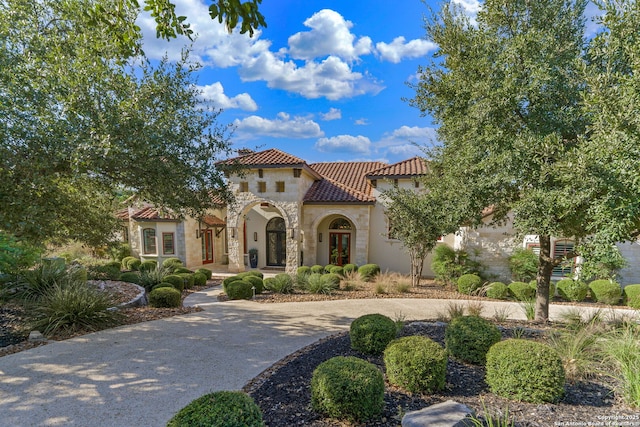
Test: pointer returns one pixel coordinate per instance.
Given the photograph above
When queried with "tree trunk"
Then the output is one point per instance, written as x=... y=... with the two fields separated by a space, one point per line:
x=417 y=263
x=545 y=269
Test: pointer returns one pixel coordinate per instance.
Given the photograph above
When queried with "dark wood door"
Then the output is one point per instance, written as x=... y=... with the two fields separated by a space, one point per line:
x=206 y=237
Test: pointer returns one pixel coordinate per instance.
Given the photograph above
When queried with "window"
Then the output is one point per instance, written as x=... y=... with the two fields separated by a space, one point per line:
x=168 y=247
x=262 y=187
x=244 y=187
x=260 y=173
x=149 y=241
x=297 y=172
x=279 y=186
x=340 y=224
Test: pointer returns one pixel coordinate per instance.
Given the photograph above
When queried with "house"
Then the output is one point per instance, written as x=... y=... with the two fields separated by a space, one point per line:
x=295 y=213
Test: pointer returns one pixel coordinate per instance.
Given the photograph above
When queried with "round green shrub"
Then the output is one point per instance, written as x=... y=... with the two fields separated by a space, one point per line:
x=125 y=262
x=524 y=264
x=130 y=277
x=219 y=409
x=369 y=271
x=228 y=280
x=337 y=270
x=416 y=363
x=317 y=283
x=333 y=279
x=163 y=285
x=349 y=268
x=522 y=291
x=347 y=388
x=468 y=338
x=199 y=279
x=606 y=291
x=134 y=264
x=497 y=290
x=207 y=273
x=317 y=269
x=240 y=289
x=328 y=267
x=251 y=273
x=165 y=297
x=107 y=271
x=469 y=283
x=632 y=296
x=256 y=282
x=148 y=265
x=189 y=281
x=552 y=287
x=303 y=271
x=371 y=333
x=524 y=370
x=282 y=284
x=172 y=263
x=572 y=290
x=182 y=270
x=175 y=280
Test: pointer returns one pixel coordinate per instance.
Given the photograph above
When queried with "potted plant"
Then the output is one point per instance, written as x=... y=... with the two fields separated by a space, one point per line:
x=253 y=257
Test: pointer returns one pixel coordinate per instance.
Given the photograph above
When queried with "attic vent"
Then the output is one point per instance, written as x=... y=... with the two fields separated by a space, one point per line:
x=260 y=173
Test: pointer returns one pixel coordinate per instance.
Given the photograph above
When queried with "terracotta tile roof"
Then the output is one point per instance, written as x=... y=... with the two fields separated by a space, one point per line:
x=213 y=221
x=123 y=214
x=405 y=168
x=343 y=182
x=145 y=213
x=268 y=158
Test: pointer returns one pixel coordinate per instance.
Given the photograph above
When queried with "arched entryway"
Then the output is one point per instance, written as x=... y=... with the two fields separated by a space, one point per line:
x=276 y=233
x=340 y=241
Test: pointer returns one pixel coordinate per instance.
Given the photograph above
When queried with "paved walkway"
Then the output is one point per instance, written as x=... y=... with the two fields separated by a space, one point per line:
x=140 y=375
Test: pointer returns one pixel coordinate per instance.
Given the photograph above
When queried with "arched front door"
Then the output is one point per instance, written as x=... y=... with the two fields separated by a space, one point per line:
x=276 y=242
x=340 y=241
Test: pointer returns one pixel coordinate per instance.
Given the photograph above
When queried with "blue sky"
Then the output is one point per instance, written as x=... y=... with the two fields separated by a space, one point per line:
x=324 y=81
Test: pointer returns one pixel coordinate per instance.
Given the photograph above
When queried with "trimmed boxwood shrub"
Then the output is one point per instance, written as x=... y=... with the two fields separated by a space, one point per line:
x=108 y=271
x=207 y=273
x=369 y=271
x=165 y=297
x=188 y=279
x=371 y=333
x=333 y=279
x=228 y=280
x=163 y=285
x=219 y=409
x=572 y=290
x=172 y=263
x=281 y=284
x=328 y=267
x=255 y=281
x=632 y=296
x=317 y=269
x=182 y=270
x=251 y=273
x=125 y=262
x=199 y=279
x=349 y=268
x=337 y=270
x=497 y=290
x=468 y=338
x=347 y=388
x=522 y=291
x=240 y=289
x=416 y=363
x=130 y=277
x=134 y=264
x=552 y=287
x=148 y=265
x=175 y=280
x=303 y=271
x=606 y=291
x=469 y=283
x=524 y=370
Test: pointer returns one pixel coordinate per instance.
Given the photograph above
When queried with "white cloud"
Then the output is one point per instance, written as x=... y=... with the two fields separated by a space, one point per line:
x=281 y=127
x=344 y=143
x=332 y=114
x=330 y=35
x=471 y=7
x=397 y=50
x=215 y=93
x=408 y=141
x=361 y=122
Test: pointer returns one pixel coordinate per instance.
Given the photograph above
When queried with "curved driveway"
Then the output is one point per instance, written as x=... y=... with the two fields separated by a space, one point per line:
x=140 y=375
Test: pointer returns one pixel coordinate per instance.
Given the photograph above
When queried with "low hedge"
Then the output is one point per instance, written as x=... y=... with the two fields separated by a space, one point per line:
x=632 y=296
x=522 y=291
x=524 y=370
x=172 y=263
x=130 y=277
x=256 y=282
x=134 y=264
x=572 y=290
x=162 y=285
x=240 y=289
x=552 y=287
x=165 y=297
x=189 y=281
x=124 y=263
x=148 y=265
x=347 y=388
x=469 y=283
x=206 y=272
x=175 y=280
x=497 y=290
x=199 y=279
x=371 y=333
x=416 y=363
x=369 y=271
x=251 y=273
x=219 y=409
x=469 y=338
x=606 y=291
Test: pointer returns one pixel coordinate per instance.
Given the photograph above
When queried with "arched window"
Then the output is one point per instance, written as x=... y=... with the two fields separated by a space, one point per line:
x=149 y=241
x=276 y=224
x=340 y=224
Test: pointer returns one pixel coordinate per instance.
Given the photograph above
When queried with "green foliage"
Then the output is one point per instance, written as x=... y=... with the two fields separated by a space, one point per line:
x=303 y=270
x=208 y=273
x=448 y=264
x=368 y=272
x=16 y=255
x=130 y=277
x=468 y=338
x=33 y=284
x=578 y=350
x=162 y=285
x=317 y=269
x=572 y=290
x=239 y=289
x=165 y=297
x=416 y=363
x=522 y=291
x=118 y=251
x=631 y=296
x=320 y=284
x=622 y=350
x=73 y=306
x=228 y=280
x=337 y=270
x=199 y=278
x=469 y=283
x=187 y=278
x=497 y=290
x=600 y=261
x=371 y=333
x=281 y=284
x=134 y=264
x=125 y=262
x=148 y=265
x=251 y=273
x=347 y=388
x=328 y=267
x=256 y=282
x=108 y=271
x=182 y=270
x=333 y=279
x=349 y=268
x=552 y=287
x=524 y=370
x=219 y=409
x=606 y=291
x=523 y=265
x=175 y=280
x=171 y=264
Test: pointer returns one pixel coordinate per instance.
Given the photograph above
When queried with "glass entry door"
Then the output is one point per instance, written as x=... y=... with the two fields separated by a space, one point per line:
x=276 y=243
x=339 y=248
x=207 y=246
